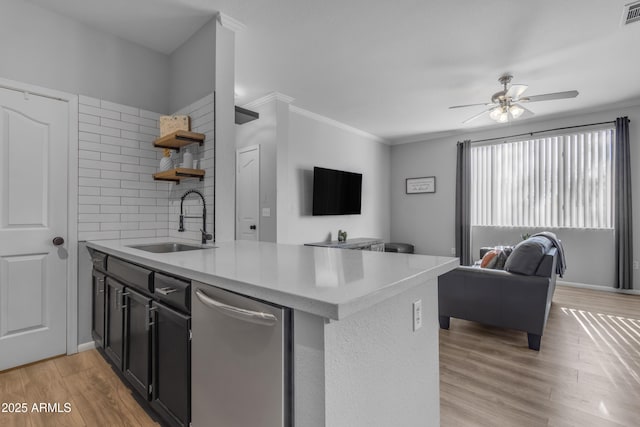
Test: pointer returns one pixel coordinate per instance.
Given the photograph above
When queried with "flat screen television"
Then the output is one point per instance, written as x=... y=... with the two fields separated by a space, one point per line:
x=336 y=192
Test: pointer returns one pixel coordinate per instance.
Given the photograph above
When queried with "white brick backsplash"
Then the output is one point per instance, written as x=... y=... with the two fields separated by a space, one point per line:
x=96 y=146
x=118 y=107
x=119 y=209
x=138 y=185
x=86 y=100
x=150 y=115
x=99 y=217
x=105 y=139
x=88 y=191
x=89 y=226
x=86 y=118
x=100 y=130
x=90 y=137
x=118 y=197
x=118 y=158
x=92 y=155
x=86 y=209
x=98 y=235
x=99 y=112
x=118 y=192
x=137 y=217
x=131 y=234
x=129 y=176
x=118 y=124
x=108 y=226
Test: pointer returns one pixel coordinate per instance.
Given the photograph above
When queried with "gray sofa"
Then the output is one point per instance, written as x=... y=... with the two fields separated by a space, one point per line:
x=500 y=298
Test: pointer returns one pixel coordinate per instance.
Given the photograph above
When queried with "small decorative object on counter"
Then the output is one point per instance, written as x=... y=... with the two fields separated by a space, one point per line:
x=166 y=163
x=342 y=236
x=170 y=124
x=187 y=160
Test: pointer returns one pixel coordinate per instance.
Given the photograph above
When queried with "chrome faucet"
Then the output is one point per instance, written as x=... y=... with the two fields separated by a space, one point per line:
x=205 y=236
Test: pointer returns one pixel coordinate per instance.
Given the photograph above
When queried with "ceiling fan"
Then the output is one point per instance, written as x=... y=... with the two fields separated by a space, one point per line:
x=505 y=104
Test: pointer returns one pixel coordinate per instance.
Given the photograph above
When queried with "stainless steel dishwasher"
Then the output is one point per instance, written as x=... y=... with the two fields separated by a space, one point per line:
x=240 y=360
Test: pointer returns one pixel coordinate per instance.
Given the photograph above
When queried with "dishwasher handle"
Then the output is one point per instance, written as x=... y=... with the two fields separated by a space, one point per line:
x=256 y=317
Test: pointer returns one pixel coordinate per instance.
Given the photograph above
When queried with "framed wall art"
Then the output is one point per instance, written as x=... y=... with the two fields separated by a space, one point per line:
x=425 y=184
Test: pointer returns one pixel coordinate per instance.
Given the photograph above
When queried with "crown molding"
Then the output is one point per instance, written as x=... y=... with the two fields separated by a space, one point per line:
x=337 y=124
x=273 y=96
x=230 y=23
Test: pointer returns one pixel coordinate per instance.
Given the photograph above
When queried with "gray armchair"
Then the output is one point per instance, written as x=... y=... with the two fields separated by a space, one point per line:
x=500 y=298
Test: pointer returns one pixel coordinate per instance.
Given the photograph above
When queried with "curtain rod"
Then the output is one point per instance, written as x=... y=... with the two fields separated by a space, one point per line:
x=542 y=131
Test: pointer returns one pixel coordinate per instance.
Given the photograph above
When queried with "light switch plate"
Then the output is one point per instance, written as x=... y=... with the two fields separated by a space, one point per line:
x=417 y=315
x=266 y=211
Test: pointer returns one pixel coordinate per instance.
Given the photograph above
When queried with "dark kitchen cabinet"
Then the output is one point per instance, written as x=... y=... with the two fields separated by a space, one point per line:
x=171 y=355
x=137 y=367
x=98 y=313
x=114 y=331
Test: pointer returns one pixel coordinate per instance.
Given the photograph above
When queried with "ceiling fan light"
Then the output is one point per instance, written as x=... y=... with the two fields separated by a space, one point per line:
x=503 y=118
x=516 y=111
x=495 y=113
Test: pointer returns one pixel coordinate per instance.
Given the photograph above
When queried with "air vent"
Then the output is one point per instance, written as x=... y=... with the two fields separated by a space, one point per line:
x=631 y=13
x=243 y=115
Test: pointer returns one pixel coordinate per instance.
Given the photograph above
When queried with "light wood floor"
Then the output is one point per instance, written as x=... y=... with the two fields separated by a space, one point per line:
x=586 y=374
x=85 y=380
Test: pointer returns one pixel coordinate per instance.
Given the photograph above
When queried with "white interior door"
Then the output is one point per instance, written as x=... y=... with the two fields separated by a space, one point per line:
x=33 y=211
x=247 y=192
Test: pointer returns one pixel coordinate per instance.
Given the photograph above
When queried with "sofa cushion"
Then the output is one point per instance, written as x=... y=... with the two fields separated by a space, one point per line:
x=526 y=256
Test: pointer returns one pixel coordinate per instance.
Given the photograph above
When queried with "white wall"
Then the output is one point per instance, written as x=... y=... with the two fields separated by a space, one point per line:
x=427 y=220
x=49 y=50
x=313 y=141
x=192 y=68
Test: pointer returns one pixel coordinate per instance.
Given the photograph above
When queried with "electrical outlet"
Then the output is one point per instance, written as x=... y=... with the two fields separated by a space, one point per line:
x=635 y=264
x=417 y=315
x=453 y=251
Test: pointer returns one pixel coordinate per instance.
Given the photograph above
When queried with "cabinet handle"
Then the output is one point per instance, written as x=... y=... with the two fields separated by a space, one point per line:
x=166 y=291
x=148 y=323
x=257 y=317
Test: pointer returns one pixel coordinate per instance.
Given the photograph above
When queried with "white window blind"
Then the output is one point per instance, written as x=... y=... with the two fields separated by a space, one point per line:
x=554 y=181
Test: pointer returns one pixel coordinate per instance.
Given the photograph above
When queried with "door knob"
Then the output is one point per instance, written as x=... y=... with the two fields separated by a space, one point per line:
x=57 y=241
x=252 y=227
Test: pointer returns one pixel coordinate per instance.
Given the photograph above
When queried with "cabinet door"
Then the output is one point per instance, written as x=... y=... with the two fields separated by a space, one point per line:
x=114 y=331
x=97 y=321
x=171 y=365
x=137 y=367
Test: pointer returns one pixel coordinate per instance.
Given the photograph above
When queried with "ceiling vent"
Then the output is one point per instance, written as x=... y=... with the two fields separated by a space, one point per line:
x=631 y=13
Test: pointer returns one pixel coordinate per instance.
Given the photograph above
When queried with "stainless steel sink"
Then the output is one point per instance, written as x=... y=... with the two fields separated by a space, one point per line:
x=163 y=248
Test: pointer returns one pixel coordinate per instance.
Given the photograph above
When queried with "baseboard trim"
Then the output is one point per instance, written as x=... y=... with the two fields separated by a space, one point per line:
x=86 y=346
x=598 y=288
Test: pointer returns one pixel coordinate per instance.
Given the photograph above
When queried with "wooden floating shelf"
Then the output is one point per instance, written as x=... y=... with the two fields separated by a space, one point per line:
x=179 y=139
x=178 y=174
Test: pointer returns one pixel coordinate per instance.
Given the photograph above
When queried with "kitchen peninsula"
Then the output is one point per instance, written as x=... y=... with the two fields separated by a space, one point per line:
x=357 y=356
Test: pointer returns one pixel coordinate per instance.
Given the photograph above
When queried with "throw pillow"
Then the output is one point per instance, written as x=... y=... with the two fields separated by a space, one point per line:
x=526 y=256
x=489 y=259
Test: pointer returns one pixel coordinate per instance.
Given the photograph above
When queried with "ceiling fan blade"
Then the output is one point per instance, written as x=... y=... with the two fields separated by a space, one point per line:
x=470 y=105
x=550 y=96
x=516 y=90
x=477 y=115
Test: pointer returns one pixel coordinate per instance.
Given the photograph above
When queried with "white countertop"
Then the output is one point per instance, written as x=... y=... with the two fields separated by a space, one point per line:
x=327 y=282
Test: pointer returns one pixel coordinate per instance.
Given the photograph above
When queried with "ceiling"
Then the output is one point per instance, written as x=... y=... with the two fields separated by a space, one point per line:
x=393 y=69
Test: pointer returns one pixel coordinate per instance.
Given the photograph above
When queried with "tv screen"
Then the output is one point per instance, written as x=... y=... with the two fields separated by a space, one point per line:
x=336 y=192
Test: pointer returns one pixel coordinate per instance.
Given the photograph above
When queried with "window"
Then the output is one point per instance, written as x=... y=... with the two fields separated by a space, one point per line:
x=555 y=181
